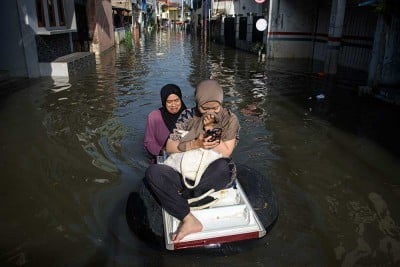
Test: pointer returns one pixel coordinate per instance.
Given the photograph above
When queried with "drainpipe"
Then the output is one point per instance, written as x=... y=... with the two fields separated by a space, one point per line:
x=335 y=35
x=273 y=24
x=316 y=16
x=375 y=65
x=391 y=60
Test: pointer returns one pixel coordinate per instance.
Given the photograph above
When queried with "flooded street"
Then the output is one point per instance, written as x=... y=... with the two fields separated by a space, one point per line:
x=72 y=151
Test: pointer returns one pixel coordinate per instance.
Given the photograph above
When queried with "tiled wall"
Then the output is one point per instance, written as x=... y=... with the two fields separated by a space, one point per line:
x=51 y=47
x=85 y=60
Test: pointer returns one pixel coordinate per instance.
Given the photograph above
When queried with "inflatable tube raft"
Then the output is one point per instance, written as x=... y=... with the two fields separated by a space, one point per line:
x=144 y=214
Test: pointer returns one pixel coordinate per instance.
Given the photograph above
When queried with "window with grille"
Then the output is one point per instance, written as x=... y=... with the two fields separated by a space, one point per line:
x=50 y=13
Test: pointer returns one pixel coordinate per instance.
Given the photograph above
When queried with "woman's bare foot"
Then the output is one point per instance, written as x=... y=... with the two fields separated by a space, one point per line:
x=189 y=225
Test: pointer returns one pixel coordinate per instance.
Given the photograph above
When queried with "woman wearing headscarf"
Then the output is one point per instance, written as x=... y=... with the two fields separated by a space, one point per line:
x=161 y=122
x=166 y=183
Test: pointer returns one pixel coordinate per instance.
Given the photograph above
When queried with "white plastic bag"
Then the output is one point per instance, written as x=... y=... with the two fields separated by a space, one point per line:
x=192 y=164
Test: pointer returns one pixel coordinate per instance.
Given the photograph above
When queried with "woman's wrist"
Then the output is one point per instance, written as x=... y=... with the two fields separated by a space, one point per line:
x=194 y=144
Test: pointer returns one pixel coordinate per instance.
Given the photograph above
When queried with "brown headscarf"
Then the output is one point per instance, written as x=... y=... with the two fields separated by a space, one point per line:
x=211 y=91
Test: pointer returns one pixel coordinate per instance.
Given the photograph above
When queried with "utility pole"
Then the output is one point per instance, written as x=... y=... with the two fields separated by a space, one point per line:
x=335 y=35
x=182 y=7
x=206 y=11
x=210 y=8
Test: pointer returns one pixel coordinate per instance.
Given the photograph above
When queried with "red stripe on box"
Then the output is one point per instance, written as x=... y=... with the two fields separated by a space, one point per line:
x=215 y=240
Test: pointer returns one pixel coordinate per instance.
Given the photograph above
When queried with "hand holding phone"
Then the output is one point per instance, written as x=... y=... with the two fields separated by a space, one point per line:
x=215 y=134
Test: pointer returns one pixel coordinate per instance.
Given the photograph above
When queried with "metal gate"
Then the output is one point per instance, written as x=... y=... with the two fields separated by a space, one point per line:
x=229 y=31
x=242 y=28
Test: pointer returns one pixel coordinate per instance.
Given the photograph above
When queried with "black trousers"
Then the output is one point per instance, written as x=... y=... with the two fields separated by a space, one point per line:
x=169 y=190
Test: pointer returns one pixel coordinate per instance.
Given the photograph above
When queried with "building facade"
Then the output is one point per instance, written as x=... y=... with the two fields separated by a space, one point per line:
x=39 y=32
x=34 y=31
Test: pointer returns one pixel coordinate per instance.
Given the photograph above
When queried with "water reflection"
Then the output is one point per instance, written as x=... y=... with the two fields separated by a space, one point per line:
x=72 y=153
x=60 y=84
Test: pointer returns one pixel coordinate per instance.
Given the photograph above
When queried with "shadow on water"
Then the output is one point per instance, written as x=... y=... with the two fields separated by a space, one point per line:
x=72 y=155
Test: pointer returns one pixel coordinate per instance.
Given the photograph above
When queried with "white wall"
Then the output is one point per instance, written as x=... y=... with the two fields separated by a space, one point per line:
x=290 y=28
x=12 y=56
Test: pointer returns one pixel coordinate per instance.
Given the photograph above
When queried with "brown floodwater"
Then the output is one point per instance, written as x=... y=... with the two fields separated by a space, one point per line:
x=71 y=152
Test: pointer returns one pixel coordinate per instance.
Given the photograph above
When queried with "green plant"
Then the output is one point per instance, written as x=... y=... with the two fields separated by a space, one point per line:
x=258 y=46
x=152 y=21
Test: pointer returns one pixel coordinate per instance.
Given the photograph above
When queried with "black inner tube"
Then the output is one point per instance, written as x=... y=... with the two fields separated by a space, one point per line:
x=144 y=216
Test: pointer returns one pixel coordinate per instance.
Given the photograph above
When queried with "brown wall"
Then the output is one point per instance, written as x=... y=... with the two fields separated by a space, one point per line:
x=100 y=25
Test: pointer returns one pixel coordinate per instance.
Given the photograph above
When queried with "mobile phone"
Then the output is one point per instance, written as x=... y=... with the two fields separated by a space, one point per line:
x=214 y=133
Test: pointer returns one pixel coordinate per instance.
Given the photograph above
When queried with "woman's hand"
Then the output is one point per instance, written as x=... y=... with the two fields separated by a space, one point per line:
x=204 y=142
x=208 y=121
x=223 y=147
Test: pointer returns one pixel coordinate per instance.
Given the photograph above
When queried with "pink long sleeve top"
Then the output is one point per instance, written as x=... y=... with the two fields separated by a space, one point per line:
x=156 y=133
